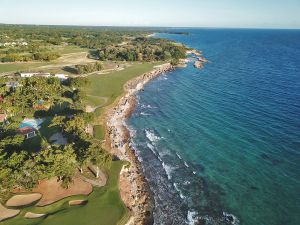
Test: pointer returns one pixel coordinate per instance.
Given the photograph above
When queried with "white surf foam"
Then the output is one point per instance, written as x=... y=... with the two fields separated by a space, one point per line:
x=191 y=217
x=168 y=169
x=178 y=155
x=145 y=114
x=178 y=190
x=151 y=136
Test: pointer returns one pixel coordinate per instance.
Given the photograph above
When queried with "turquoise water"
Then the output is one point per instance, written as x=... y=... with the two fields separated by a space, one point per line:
x=225 y=138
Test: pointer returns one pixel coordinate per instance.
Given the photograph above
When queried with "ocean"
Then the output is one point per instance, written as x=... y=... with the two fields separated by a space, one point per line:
x=223 y=143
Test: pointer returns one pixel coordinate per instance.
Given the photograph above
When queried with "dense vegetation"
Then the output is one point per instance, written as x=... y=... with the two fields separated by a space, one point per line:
x=104 y=43
x=88 y=68
x=20 y=165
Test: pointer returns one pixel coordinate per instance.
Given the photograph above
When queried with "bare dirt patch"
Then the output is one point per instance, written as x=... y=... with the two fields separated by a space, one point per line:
x=23 y=199
x=52 y=190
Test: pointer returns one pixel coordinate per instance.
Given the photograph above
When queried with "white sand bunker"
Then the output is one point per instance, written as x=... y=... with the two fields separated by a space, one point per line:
x=7 y=213
x=77 y=202
x=58 y=139
x=23 y=199
x=31 y=215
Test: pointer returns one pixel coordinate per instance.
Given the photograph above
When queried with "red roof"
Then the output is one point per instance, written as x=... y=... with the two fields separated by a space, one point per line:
x=25 y=130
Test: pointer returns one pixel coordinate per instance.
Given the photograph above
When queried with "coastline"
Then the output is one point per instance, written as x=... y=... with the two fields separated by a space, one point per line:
x=134 y=189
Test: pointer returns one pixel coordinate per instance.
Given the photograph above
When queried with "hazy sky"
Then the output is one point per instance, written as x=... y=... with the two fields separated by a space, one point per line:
x=195 y=13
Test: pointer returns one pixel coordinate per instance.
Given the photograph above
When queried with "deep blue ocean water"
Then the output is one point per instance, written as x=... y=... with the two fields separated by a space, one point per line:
x=225 y=138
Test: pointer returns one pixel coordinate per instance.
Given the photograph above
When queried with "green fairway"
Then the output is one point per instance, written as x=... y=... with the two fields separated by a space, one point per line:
x=110 y=86
x=104 y=207
x=14 y=67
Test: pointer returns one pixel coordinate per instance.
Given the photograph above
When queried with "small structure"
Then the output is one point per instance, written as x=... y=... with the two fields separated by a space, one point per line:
x=28 y=132
x=30 y=127
x=23 y=75
x=62 y=77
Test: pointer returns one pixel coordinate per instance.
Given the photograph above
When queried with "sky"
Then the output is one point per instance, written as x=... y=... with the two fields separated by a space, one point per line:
x=170 y=13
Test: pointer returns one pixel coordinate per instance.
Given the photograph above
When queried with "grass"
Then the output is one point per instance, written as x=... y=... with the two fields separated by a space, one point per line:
x=104 y=207
x=110 y=86
x=14 y=67
x=99 y=132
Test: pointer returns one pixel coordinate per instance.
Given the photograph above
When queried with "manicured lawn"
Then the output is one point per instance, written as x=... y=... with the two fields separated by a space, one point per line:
x=110 y=86
x=104 y=207
x=99 y=132
x=14 y=67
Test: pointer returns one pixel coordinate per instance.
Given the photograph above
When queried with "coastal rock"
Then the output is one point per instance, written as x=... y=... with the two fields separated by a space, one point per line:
x=134 y=189
x=198 y=65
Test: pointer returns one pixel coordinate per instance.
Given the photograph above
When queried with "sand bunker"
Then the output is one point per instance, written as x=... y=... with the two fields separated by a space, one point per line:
x=77 y=202
x=52 y=190
x=7 y=213
x=31 y=215
x=23 y=199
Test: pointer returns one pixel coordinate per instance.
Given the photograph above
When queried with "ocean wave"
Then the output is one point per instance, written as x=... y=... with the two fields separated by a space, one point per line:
x=145 y=114
x=191 y=217
x=151 y=136
x=168 y=169
x=144 y=106
x=179 y=191
x=185 y=163
x=151 y=147
x=178 y=155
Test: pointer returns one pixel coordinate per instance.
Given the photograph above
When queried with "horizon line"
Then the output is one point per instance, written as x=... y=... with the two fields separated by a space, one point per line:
x=155 y=26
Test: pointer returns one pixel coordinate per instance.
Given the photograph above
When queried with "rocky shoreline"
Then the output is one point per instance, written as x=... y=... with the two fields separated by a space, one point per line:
x=134 y=188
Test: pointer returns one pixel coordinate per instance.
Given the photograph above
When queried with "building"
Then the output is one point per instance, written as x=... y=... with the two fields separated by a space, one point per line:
x=62 y=77
x=26 y=74
x=35 y=75
x=28 y=132
x=29 y=127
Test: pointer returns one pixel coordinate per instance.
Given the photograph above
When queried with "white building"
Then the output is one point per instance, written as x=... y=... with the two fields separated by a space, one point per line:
x=26 y=74
x=61 y=76
x=35 y=75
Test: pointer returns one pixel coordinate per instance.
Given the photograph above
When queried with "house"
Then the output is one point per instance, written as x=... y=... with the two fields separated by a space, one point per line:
x=28 y=132
x=29 y=127
x=26 y=74
x=62 y=77
x=42 y=75
x=35 y=75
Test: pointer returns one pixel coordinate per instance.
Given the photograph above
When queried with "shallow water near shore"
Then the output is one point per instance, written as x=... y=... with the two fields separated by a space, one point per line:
x=225 y=138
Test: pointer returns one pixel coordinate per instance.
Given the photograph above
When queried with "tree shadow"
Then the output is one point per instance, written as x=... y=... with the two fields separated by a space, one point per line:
x=70 y=69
